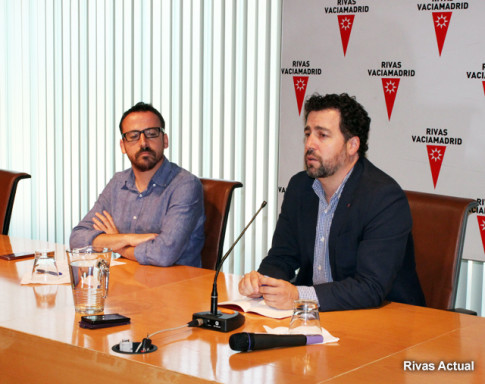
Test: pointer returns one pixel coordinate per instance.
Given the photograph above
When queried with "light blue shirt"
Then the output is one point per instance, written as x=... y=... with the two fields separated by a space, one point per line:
x=322 y=272
x=172 y=206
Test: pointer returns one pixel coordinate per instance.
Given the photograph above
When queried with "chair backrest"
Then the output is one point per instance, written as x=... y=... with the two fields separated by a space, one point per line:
x=217 y=202
x=8 y=187
x=439 y=224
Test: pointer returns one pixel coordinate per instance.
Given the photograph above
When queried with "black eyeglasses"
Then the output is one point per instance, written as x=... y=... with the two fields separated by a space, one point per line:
x=150 y=133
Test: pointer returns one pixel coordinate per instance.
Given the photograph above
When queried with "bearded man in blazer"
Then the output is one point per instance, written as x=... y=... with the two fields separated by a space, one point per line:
x=343 y=237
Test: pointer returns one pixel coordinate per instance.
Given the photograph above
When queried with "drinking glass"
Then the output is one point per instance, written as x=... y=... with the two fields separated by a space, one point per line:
x=44 y=269
x=305 y=319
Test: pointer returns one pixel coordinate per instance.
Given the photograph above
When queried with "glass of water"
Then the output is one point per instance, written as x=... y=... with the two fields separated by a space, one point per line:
x=44 y=269
x=305 y=319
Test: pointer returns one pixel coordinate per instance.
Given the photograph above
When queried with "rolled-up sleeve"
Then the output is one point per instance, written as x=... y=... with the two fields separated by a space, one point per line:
x=181 y=233
x=83 y=234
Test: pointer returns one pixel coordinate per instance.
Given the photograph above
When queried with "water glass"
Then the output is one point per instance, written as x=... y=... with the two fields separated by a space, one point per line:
x=305 y=319
x=44 y=269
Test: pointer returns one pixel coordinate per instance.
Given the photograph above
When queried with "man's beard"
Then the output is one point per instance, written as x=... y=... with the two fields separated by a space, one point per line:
x=146 y=163
x=324 y=170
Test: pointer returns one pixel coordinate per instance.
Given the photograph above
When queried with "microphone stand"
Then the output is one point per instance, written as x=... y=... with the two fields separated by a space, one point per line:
x=216 y=320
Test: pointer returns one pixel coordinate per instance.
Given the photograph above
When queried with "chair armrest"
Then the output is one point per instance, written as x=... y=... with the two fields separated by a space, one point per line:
x=464 y=311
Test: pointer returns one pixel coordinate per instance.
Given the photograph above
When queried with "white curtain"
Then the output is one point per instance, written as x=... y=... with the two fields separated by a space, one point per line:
x=68 y=70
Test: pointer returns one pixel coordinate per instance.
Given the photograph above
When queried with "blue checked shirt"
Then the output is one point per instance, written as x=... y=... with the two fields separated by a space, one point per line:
x=321 y=263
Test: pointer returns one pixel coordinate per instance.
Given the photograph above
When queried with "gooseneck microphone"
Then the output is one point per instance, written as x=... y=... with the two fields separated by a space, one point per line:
x=256 y=341
x=216 y=320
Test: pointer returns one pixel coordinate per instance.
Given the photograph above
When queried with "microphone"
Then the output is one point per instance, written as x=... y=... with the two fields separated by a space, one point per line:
x=256 y=341
x=216 y=320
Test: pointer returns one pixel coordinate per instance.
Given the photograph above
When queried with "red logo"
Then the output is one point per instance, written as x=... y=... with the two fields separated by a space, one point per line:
x=390 y=86
x=483 y=83
x=435 y=156
x=441 y=21
x=300 y=83
x=481 y=226
x=345 y=23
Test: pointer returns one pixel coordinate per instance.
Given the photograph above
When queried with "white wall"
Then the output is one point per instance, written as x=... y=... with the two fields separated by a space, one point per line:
x=359 y=47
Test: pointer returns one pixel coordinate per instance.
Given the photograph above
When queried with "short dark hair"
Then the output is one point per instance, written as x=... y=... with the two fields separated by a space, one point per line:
x=143 y=107
x=354 y=120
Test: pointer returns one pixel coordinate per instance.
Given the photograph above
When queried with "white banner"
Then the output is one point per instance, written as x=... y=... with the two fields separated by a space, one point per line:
x=417 y=67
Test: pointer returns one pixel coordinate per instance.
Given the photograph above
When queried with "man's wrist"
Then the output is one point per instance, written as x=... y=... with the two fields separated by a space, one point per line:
x=115 y=241
x=128 y=252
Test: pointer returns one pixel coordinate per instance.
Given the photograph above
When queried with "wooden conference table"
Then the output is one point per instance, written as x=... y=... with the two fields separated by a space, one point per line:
x=41 y=341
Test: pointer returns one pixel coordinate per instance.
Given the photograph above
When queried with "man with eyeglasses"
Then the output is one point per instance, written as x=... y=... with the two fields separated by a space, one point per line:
x=153 y=212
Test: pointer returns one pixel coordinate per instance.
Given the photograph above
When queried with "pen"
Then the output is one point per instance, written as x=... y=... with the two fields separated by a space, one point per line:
x=49 y=272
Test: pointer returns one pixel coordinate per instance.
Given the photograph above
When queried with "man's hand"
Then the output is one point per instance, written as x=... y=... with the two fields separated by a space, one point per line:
x=127 y=252
x=278 y=293
x=104 y=222
x=249 y=284
x=122 y=240
x=135 y=239
x=123 y=243
x=132 y=240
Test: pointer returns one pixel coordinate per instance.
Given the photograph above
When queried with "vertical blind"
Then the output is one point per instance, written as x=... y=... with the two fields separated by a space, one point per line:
x=70 y=68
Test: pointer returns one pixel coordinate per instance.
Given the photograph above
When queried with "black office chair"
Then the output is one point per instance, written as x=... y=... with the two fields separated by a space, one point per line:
x=8 y=188
x=439 y=224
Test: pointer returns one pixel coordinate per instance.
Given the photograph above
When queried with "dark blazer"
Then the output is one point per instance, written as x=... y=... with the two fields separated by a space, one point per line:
x=370 y=245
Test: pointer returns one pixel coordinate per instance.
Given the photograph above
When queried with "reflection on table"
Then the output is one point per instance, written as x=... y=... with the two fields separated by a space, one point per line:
x=39 y=329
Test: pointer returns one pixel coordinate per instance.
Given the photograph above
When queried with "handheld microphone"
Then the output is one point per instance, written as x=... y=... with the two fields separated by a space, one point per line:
x=216 y=320
x=245 y=341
